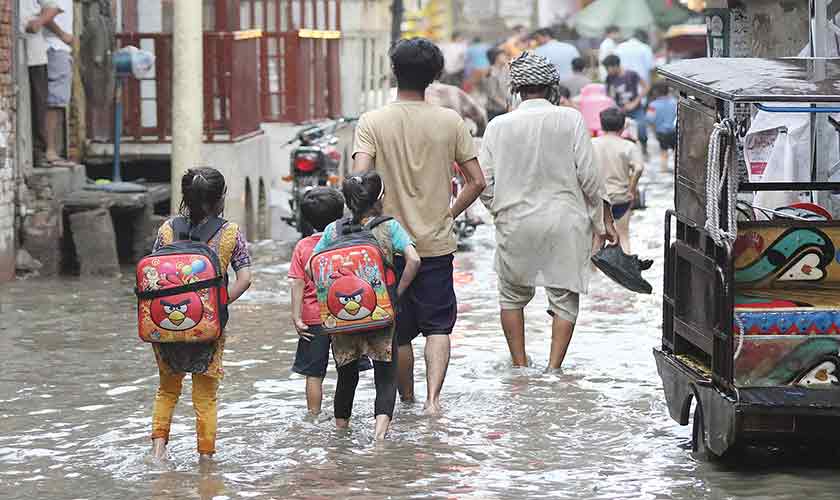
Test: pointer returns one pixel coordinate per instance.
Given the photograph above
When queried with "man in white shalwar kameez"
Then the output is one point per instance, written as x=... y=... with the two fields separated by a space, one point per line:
x=548 y=200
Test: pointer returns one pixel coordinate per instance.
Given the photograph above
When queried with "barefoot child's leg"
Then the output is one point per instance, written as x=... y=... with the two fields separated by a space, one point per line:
x=311 y=360
x=385 y=378
x=167 y=396
x=314 y=394
x=345 y=392
x=204 y=396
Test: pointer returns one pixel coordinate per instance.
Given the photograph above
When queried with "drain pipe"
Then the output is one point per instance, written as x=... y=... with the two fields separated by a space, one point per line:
x=187 y=91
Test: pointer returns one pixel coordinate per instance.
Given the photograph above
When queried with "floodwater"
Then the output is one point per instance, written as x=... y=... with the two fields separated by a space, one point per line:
x=77 y=389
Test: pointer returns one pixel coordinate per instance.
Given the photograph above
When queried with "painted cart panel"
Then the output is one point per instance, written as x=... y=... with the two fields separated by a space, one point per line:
x=787 y=313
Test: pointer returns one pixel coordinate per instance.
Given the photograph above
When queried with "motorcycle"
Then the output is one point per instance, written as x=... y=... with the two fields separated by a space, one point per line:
x=314 y=162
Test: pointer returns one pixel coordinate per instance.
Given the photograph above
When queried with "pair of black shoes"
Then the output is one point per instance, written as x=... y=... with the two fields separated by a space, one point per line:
x=626 y=270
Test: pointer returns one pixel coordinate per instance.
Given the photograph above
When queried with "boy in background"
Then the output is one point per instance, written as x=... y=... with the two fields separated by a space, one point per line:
x=497 y=84
x=628 y=89
x=320 y=207
x=662 y=112
x=621 y=164
x=578 y=79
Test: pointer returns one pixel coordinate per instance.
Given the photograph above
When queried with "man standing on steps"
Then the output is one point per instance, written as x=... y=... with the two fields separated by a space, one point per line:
x=59 y=36
x=413 y=144
x=35 y=17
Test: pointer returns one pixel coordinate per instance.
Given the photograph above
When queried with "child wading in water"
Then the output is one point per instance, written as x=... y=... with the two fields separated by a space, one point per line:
x=363 y=195
x=319 y=207
x=621 y=164
x=662 y=112
x=203 y=196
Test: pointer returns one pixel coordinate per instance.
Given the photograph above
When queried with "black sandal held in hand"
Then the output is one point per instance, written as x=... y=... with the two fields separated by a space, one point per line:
x=626 y=270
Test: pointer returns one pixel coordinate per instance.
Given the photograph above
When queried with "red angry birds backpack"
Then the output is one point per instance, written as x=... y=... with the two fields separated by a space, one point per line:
x=354 y=280
x=181 y=288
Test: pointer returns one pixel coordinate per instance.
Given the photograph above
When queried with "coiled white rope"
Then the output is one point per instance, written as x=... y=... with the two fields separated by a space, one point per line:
x=715 y=183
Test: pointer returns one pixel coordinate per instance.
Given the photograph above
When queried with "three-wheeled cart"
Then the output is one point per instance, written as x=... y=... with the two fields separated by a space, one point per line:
x=751 y=301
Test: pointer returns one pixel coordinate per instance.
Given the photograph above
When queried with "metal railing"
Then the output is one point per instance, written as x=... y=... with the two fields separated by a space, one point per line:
x=299 y=55
x=231 y=88
x=299 y=77
x=291 y=73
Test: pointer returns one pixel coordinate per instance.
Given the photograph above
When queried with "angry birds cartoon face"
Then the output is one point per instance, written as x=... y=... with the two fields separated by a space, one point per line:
x=177 y=312
x=351 y=298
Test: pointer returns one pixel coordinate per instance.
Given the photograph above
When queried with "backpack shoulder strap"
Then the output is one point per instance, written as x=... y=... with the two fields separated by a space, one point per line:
x=184 y=231
x=205 y=232
x=346 y=226
x=382 y=232
x=180 y=228
x=382 y=219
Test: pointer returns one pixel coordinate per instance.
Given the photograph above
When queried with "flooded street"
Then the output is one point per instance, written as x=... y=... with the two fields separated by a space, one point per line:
x=77 y=389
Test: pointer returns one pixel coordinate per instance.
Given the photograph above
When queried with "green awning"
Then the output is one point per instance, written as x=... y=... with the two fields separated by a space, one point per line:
x=629 y=15
x=666 y=16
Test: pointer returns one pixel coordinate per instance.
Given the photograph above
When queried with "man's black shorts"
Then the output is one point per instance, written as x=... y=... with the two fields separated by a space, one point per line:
x=667 y=140
x=429 y=306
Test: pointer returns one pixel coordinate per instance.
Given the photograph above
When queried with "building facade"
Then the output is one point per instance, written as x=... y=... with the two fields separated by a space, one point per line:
x=365 y=38
x=315 y=61
x=8 y=166
x=757 y=28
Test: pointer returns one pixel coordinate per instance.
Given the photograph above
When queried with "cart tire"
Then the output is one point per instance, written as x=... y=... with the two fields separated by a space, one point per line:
x=698 y=438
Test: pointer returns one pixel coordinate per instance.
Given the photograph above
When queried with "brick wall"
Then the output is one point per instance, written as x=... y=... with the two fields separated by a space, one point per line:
x=8 y=179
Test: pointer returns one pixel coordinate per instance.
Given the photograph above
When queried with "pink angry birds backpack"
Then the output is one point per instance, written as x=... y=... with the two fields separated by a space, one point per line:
x=181 y=288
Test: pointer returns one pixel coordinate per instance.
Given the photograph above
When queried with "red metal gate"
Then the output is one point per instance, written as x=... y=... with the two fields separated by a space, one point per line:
x=299 y=54
x=231 y=86
x=298 y=57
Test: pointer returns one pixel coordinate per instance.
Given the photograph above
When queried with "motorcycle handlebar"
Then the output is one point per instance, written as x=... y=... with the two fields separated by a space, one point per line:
x=330 y=127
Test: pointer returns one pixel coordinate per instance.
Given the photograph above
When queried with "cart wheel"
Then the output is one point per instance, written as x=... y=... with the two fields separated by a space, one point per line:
x=698 y=439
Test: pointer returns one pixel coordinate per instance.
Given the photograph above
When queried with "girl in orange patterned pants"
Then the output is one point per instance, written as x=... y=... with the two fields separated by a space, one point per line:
x=203 y=193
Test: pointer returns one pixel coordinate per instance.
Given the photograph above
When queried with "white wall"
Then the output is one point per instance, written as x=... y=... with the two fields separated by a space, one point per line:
x=245 y=160
x=365 y=70
x=149 y=16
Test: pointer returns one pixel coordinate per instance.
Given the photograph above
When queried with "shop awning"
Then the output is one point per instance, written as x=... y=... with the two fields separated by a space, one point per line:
x=629 y=15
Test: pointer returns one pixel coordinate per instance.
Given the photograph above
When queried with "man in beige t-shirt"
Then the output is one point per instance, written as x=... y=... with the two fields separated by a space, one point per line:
x=413 y=145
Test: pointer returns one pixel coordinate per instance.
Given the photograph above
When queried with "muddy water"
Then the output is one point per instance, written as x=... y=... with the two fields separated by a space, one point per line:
x=77 y=387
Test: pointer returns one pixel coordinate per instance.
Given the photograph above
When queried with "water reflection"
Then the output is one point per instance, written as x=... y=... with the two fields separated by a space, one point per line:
x=77 y=391
x=205 y=485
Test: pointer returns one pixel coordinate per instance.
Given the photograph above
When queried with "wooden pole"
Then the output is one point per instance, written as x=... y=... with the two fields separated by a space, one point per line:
x=397 y=11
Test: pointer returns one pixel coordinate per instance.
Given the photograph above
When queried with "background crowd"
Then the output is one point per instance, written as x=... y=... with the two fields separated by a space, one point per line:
x=618 y=73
